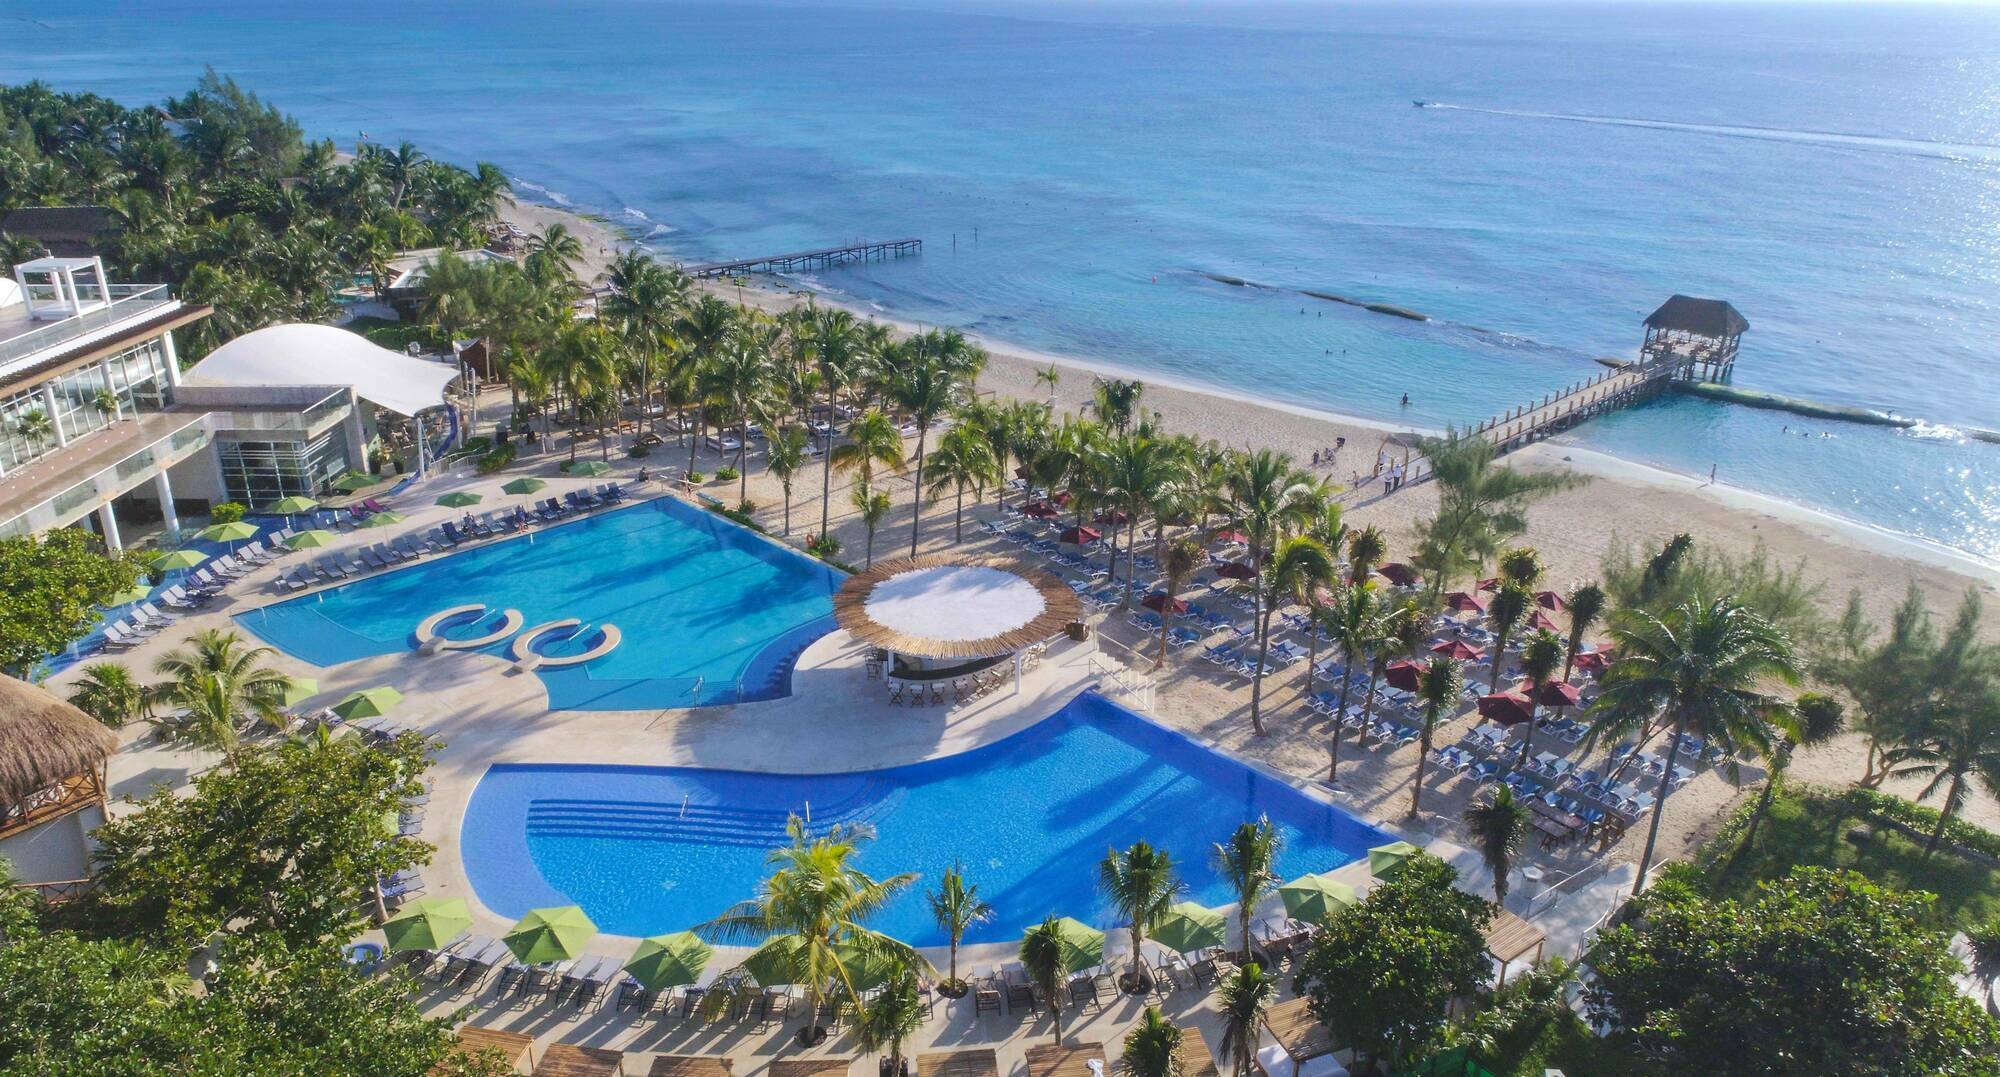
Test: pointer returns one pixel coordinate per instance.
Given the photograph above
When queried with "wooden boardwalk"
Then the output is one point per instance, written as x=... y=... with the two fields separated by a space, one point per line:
x=1558 y=411
x=825 y=256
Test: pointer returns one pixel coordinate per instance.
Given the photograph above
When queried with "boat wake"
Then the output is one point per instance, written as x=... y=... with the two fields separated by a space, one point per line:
x=1911 y=147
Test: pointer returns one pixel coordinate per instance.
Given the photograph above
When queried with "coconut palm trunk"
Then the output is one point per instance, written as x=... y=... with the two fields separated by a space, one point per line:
x=1659 y=807
x=1339 y=717
x=917 y=491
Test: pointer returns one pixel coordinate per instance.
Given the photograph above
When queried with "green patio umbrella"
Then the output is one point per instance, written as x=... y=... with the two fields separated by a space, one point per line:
x=1082 y=945
x=592 y=468
x=1188 y=927
x=383 y=519
x=368 y=703
x=1314 y=899
x=296 y=690
x=665 y=961
x=180 y=559
x=135 y=593
x=1384 y=861
x=229 y=532
x=523 y=486
x=352 y=481
x=306 y=540
x=775 y=962
x=293 y=505
x=546 y=935
x=458 y=499
x=427 y=924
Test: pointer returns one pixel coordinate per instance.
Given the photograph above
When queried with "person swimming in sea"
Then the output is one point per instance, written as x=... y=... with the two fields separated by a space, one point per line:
x=1406 y=400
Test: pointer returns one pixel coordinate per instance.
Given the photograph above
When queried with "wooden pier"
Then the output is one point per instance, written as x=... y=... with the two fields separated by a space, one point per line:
x=877 y=251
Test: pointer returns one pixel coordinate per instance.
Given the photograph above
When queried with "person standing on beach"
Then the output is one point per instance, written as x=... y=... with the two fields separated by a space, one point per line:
x=1711 y=474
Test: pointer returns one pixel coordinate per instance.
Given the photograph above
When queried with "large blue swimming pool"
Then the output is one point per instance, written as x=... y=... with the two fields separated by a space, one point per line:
x=647 y=850
x=709 y=612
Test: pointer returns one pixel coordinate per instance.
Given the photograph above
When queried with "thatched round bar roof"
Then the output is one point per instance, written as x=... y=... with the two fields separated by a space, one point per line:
x=44 y=739
x=1012 y=614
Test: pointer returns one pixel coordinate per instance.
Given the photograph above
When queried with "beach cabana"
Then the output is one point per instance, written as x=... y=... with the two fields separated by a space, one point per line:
x=1063 y=1060
x=517 y=1049
x=52 y=758
x=979 y=1062
x=1510 y=938
x=1701 y=334
x=940 y=617
x=576 y=1060
x=1296 y=1044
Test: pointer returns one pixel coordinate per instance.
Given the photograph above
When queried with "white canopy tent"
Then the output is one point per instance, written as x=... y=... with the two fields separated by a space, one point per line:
x=301 y=354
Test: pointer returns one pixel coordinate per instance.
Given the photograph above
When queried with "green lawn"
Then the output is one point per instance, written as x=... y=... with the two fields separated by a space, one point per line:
x=1568 y=1045
x=392 y=335
x=1808 y=825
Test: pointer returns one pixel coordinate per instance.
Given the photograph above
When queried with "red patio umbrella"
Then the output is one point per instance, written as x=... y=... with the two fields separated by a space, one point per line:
x=1490 y=584
x=1465 y=602
x=1162 y=602
x=1116 y=518
x=1235 y=570
x=1507 y=708
x=1403 y=673
x=1398 y=573
x=1458 y=649
x=1549 y=600
x=1021 y=472
x=1081 y=536
x=1041 y=510
x=1063 y=497
x=1558 y=694
x=1592 y=660
x=1541 y=620
x=1232 y=537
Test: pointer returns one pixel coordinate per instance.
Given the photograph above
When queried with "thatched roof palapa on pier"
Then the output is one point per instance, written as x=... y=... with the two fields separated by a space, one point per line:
x=1702 y=317
x=44 y=740
x=1058 y=607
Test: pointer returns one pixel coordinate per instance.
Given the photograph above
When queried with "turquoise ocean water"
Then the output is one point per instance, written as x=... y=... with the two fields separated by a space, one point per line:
x=1834 y=170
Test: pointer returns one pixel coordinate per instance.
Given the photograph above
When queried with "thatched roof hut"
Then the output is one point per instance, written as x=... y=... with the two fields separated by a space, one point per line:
x=45 y=742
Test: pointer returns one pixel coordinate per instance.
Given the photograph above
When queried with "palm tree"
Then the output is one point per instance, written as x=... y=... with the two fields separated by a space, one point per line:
x=1437 y=689
x=871 y=439
x=1131 y=469
x=1820 y=719
x=738 y=382
x=926 y=387
x=1480 y=504
x=1956 y=743
x=1585 y=606
x=783 y=458
x=837 y=341
x=1142 y=884
x=1497 y=828
x=1356 y=622
x=964 y=458
x=816 y=898
x=1042 y=954
x=1300 y=564
x=1509 y=607
x=1302 y=571
x=873 y=507
x=1152 y=1048
x=957 y=907
x=704 y=327
x=553 y=254
x=1242 y=998
x=1177 y=562
x=1403 y=632
x=108 y=692
x=1248 y=862
x=1050 y=376
x=1703 y=666
x=1540 y=656
x=1266 y=492
x=213 y=686
x=893 y=1016
x=1116 y=401
x=1522 y=565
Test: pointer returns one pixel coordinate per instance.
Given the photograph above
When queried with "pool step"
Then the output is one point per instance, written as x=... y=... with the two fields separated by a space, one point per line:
x=696 y=823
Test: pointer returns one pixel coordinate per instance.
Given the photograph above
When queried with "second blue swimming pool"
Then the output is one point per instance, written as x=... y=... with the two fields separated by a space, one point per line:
x=646 y=850
x=709 y=612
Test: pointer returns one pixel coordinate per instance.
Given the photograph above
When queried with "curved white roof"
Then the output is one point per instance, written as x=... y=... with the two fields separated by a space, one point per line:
x=303 y=354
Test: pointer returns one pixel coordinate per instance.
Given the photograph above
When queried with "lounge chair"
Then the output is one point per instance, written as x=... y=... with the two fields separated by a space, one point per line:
x=373 y=559
x=373 y=505
x=547 y=510
x=453 y=535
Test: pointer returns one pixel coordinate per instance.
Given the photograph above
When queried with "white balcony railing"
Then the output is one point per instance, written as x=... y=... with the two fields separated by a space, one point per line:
x=127 y=301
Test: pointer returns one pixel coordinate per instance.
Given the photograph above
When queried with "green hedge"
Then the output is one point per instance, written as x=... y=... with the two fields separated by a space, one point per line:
x=737 y=515
x=496 y=459
x=1917 y=816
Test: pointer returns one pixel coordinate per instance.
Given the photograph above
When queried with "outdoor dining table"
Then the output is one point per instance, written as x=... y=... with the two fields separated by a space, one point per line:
x=1552 y=831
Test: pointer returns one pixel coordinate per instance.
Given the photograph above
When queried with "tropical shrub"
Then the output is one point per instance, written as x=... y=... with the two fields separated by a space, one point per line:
x=54 y=585
x=497 y=459
x=725 y=473
x=225 y=512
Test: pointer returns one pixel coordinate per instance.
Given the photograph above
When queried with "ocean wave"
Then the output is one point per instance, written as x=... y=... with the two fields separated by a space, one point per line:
x=1935 y=432
x=1912 y=147
x=660 y=230
x=635 y=214
x=557 y=197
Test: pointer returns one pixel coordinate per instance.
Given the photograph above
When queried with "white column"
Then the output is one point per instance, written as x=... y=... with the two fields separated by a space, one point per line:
x=417 y=426
x=357 y=439
x=164 y=490
x=55 y=416
x=173 y=360
x=109 y=521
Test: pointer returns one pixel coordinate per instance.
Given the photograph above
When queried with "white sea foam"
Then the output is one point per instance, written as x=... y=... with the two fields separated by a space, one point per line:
x=636 y=214
x=557 y=197
x=1935 y=432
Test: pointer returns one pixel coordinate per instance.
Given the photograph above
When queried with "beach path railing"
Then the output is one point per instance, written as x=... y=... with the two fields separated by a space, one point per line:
x=871 y=251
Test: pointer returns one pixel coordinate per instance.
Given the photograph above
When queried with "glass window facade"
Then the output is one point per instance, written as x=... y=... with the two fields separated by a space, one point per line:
x=135 y=378
x=257 y=473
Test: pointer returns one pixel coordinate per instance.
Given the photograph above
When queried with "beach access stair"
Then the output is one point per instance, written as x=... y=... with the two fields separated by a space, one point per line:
x=870 y=251
x=692 y=822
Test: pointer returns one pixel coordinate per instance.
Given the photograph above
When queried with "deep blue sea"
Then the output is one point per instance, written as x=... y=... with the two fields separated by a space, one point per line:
x=1832 y=169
